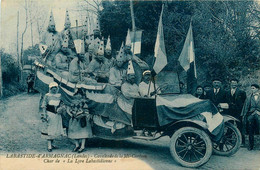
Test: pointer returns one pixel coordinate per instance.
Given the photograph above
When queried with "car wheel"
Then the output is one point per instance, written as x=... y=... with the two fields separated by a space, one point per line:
x=230 y=141
x=191 y=147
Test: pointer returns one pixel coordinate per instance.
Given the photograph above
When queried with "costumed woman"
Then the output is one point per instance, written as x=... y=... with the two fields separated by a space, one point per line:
x=79 y=125
x=50 y=117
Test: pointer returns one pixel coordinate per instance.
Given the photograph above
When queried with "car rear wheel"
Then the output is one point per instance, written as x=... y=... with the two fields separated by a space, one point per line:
x=191 y=147
x=230 y=141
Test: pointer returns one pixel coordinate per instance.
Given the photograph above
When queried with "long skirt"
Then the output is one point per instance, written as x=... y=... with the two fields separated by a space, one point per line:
x=53 y=128
x=77 y=132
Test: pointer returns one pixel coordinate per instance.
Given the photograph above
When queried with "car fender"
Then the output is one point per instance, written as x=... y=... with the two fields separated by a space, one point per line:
x=228 y=118
x=185 y=123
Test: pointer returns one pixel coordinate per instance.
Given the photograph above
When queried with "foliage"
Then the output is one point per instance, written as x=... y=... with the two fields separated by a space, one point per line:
x=226 y=33
x=31 y=52
x=10 y=69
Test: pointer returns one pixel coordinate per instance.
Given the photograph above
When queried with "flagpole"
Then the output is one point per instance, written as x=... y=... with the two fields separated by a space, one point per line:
x=133 y=23
x=152 y=77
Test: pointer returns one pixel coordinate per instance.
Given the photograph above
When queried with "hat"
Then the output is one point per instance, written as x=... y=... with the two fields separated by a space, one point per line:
x=199 y=86
x=128 y=39
x=216 y=79
x=65 y=42
x=51 y=21
x=96 y=43
x=146 y=72
x=67 y=18
x=207 y=85
x=130 y=69
x=234 y=79
x=108 y=46
x=255 y=85
x=120 y=54
x=96 y=25
x=86 y=26
x=91 y=26
x=53 y=84
x=79 y=45
x=100 y=51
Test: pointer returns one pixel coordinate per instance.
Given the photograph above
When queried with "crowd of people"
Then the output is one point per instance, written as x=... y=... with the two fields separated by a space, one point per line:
x=235 y=102
x=87 y=60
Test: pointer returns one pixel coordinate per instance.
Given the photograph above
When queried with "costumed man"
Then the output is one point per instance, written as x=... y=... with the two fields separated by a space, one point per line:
x=236 y=99
x=108 y=54
x=63 y=58
x=96 y=30
x=50 y=42
x=118 y=73
x=130 y=56
x=147 y=87
x=78 y=66
x=98 y=66
x=251 y=113
x=67 y=32
x=129 y=89
x=217 y=95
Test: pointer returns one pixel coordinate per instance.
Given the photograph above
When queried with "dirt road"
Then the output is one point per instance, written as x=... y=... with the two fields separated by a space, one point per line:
x=19 y=124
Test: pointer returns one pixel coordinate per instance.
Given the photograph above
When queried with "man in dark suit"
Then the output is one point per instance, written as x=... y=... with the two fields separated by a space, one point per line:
x=251 y=113
x=217 y=94
x=236 y=99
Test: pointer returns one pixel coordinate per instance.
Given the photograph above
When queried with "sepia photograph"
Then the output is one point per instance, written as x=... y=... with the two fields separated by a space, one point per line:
x=129 y=84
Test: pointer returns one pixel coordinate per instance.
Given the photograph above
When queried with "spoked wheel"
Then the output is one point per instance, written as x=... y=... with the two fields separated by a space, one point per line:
x=191 y=147
x=230 y=141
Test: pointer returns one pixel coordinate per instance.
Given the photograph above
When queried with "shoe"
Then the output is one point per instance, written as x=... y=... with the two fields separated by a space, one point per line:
x=250 y=148
x=81 y=150
x=49 y=150
x=243 y=145
x=54 y=147
x=75 y=149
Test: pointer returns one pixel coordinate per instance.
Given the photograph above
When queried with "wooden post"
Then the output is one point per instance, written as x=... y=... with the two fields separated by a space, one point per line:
x=17 y=38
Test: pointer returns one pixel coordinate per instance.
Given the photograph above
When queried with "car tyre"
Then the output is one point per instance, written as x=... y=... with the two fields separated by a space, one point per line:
x=230 y=141
x=191 y=147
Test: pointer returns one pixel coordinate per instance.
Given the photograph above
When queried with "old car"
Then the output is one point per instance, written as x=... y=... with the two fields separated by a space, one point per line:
x=195 y=127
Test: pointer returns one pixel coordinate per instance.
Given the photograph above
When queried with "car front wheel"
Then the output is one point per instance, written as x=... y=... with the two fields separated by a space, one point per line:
x=191 y=147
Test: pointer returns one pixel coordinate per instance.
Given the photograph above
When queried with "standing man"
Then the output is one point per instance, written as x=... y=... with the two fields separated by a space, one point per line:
x=199 y=93
x=50 y=42
x=30 y=82
x=251 y=113
x=217 y=95
x=236 y=99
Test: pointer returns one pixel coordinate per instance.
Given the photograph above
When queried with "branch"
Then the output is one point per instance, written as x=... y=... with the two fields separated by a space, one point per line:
x=91 y=4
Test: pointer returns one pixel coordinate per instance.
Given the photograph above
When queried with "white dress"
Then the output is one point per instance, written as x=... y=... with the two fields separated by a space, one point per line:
x=53 y=127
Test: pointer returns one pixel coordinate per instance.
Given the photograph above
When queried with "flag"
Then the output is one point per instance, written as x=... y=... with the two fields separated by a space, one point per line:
x=187 y=61
x=187 y=107
x=136 y=38
x=159 y=50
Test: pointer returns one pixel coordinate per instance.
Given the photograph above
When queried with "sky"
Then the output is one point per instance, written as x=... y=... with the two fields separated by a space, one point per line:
x=10 y=8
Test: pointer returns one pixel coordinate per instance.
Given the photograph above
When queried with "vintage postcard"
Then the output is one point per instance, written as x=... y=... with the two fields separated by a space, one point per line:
x=133 y=84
